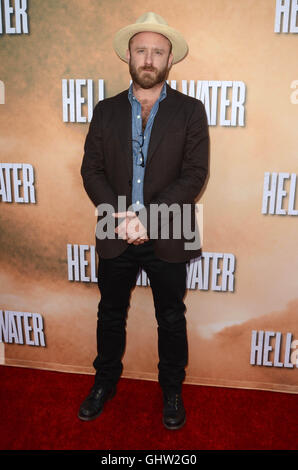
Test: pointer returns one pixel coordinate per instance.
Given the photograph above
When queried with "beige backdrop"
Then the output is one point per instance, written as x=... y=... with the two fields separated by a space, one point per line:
x=228 y=40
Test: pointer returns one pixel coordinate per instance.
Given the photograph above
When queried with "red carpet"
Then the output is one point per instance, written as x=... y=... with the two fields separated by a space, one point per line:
x=38 y=410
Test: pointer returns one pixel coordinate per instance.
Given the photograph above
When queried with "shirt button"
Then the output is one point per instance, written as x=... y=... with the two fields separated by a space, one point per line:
x=139 y=180
x=138 y=116
x=138 y=202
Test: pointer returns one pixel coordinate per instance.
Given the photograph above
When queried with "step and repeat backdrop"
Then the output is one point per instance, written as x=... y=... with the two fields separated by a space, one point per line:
x=56 y=63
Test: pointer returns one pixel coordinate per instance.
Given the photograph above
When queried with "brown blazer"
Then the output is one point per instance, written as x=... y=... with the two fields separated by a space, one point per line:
x=176 y=167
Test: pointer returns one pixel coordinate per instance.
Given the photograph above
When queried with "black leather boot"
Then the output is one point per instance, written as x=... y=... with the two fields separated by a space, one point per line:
x=93 y=404
x=174 y=415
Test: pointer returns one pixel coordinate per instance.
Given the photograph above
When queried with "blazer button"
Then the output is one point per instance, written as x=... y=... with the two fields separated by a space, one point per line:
x=129 y=182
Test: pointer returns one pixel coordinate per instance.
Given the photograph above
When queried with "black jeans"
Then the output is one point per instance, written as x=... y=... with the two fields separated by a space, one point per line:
x=116 y=278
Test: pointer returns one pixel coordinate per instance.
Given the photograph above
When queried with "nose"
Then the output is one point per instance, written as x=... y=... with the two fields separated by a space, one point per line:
x=148 y=58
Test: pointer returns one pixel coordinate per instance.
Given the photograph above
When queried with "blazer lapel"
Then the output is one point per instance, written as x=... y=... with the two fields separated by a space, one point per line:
x=167 y=110
x=124 y=129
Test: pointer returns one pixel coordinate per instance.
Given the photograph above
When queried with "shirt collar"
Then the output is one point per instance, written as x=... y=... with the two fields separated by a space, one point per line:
x=162 y=95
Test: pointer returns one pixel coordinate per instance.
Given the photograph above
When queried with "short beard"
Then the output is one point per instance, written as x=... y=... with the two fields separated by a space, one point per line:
x=147 y=80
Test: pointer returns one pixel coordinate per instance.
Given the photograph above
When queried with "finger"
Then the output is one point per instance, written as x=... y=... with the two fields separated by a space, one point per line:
x=124 y=214
x=121 y=231
x=131 y=238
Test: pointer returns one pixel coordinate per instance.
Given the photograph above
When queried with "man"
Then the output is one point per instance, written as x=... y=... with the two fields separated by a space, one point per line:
x=148 y=145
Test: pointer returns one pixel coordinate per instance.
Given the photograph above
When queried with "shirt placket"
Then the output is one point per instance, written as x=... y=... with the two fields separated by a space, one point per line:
x=137 y=157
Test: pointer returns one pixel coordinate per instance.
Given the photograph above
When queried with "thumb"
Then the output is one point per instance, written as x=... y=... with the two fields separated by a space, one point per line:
x=124 y=214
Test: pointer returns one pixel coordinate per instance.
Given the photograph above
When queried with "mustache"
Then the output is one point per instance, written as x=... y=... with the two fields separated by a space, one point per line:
x=147 y=68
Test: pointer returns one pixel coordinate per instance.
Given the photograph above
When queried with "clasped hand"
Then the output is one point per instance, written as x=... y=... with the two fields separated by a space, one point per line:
x=131 y=229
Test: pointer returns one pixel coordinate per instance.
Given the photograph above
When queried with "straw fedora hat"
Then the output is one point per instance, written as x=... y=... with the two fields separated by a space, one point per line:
x=154 y=23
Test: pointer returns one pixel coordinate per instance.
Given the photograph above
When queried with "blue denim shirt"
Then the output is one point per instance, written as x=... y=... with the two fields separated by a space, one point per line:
x=138 y=137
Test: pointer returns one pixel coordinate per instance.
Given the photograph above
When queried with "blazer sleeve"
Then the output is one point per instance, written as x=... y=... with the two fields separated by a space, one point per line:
x=95 y=181
x=194 y=167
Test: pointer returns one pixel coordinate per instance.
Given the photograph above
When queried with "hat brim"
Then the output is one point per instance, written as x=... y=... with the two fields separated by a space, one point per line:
x=122 y=37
